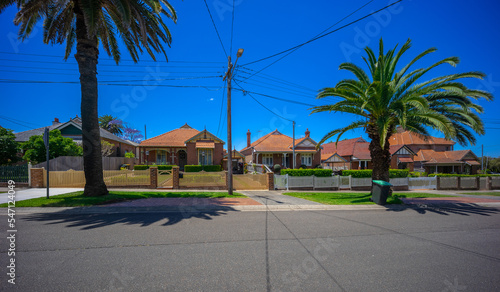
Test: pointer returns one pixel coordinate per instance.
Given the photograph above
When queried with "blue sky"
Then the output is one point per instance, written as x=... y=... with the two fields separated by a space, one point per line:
x=465 y=29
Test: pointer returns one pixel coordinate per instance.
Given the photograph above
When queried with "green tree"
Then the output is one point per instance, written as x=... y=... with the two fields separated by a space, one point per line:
x=35 y=151
x=89 y=24
x=8 y=147
x=111 y=124
x=387 y=98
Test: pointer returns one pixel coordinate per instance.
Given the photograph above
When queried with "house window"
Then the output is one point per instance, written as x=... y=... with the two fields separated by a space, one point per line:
x=161 y=157
x=306 y=159
x=267 y=159
x=205 y=156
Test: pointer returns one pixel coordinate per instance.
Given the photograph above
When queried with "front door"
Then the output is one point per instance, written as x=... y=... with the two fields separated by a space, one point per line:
x=182 y=159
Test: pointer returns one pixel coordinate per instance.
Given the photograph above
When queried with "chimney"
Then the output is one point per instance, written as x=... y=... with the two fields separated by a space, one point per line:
x=307 y=133
x=249 y=139
x=56 y=121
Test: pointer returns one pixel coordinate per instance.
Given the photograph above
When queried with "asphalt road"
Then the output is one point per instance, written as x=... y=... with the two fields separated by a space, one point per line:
x=446 y=249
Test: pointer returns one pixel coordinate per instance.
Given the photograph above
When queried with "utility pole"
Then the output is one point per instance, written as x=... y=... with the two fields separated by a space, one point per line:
x=293 y=149
x=229 y=76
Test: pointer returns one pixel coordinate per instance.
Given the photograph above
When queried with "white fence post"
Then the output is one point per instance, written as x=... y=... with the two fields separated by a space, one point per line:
x=314 y=183
x=286 y=181
x=350 y=182
x=29 y=174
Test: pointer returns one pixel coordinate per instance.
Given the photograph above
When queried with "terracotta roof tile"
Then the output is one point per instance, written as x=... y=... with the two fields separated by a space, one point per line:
x=408 y=138
x=276 y=142
x=431 y=156
x=357 y=147
x=174 y=138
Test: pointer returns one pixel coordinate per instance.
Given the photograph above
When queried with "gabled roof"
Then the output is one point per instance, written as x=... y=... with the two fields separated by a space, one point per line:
x=235 y=154
x=437 y=157
x=174 y=138
x=409 y=138
x=278 y=142
x=395 y=148
x=179 y=137
x=356 y=147
x=328 y=156
x=76 y=122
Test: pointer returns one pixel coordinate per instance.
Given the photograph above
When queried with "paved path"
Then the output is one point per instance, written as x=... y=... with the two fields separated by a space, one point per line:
x=25 y=194
x=175 y=202
x=276 y=198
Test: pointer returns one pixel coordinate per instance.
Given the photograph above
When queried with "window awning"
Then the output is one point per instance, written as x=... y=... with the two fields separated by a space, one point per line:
x=405 y=159
x=472 y=162
x=205 y=145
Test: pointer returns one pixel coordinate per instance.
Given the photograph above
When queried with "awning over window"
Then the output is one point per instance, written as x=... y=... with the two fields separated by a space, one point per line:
x=405 y=159
x=205 y=145
x=472 y=162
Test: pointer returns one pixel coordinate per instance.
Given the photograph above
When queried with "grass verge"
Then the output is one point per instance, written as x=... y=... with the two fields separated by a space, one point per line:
x=356 y=198
x=76 y=199
x=483 y=193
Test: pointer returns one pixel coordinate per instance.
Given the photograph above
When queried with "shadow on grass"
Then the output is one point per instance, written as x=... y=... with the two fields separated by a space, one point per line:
x=465 y=209
x=95 y=217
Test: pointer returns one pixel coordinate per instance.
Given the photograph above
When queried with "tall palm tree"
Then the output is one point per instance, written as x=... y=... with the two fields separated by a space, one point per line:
x=111 y=124
x=90 y=24
x=387 y=98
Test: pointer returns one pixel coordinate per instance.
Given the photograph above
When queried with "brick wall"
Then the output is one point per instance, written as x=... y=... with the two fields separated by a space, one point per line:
x=37 y=177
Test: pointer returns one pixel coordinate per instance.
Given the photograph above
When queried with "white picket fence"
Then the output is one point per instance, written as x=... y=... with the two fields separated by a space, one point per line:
x=286 y=182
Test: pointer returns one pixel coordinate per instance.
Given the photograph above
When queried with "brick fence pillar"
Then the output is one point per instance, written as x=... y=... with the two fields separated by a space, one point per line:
x=175 y=177
x=459 y=183
x=489 y=183
x=478 y=183
x=153 y=177
x=270 y=181
x=36 y=178
x=438 y=183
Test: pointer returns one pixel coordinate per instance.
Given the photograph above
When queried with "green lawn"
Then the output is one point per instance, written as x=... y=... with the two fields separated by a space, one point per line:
x=76 y=199
x=483 y=193
x=356 y=198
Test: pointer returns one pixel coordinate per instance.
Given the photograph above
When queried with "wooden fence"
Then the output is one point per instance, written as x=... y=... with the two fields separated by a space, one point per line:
x=112 y=178
x=63 y=163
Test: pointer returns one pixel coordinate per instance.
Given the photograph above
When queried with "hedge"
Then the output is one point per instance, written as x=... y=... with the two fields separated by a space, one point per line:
x=460 y=175
x=365 y=173
x=307 y=172
x=198 y=168
x=160 y=167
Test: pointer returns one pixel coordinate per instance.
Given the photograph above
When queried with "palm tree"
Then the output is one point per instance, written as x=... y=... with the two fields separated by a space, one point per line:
x=111 y=124
x=90 y=24
x=389 y=98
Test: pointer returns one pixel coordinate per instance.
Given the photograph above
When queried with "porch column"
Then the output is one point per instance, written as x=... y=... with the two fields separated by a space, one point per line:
x=257 y=158
x=436 y=168
x=284 y=160
x=453 y=168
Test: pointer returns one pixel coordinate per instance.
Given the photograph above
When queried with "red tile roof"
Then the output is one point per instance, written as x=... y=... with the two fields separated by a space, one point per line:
x=174 y=138
x=441 y=157
x=357 y=147
x=277 y=142
x=408 y=138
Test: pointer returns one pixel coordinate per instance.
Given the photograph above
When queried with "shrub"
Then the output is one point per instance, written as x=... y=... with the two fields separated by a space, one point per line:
x=165 y=167
x=141 y=167
x=417 y=174
x=277 y=168
x=365 y=173
x=307 y=172
x=303 y=166
x=129 y=155
x=192 y=168
x=212 y=168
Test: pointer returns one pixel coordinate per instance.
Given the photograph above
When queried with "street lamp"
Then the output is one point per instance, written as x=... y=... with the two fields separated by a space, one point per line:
x=229 y=76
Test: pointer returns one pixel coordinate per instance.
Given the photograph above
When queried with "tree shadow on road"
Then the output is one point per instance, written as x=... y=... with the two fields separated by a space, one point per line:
x=465 y=209
x=85 y=219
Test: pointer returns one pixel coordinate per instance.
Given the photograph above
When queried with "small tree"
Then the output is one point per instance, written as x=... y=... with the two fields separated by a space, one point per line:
x=111 y=124
x=8 y=147
x=129 y=154
x=132 y=134
x=106 y=148
x=34 y=148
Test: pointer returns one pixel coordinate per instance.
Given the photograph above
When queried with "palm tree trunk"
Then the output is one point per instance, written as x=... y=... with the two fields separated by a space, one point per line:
x=86 y=56
x=381 y=156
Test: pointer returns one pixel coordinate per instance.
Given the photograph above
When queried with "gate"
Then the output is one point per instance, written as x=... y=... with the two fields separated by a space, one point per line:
x=17 y=173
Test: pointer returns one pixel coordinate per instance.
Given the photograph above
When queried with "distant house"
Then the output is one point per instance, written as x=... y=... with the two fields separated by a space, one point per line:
x=355 y=154
x=182 y=146
x=435 y=154
x=73 y=129
x=277 y=148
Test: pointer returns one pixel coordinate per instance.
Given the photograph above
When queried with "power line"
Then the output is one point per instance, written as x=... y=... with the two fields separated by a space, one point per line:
x=111 y=71
x=14 y=122
x=276 y=61
x=249 y=94
x=323 y=35
x=25 y=122
x=281 y=90
x=109 y=59
x=215 y=27
x=279 y=80
x=104 y=65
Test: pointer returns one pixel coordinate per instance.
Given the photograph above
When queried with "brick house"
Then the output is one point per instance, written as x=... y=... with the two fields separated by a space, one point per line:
x=355 y=154
x=277 y=148
x=73 y=129
x=435 y=154
x=182 y=146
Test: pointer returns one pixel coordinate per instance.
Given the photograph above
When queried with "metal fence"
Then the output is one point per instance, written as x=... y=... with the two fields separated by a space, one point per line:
x=17 y=173
x=63 y=163
x=258 y=168
x=415 y=183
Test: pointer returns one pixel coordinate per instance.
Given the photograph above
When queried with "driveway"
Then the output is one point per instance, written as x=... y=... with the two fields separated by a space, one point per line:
x=25 y=194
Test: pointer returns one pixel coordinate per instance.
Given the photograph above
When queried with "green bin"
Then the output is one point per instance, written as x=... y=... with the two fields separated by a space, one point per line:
x=380 y=191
